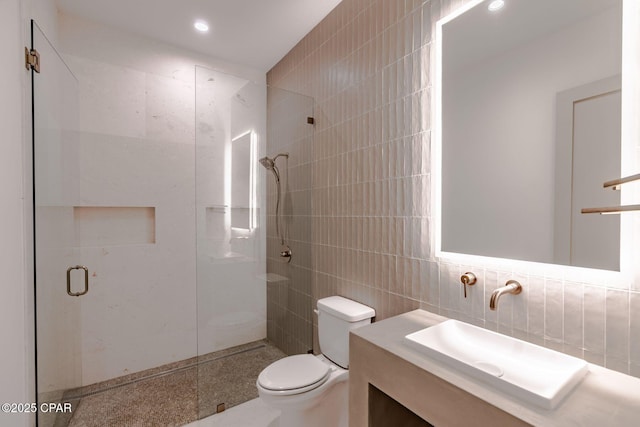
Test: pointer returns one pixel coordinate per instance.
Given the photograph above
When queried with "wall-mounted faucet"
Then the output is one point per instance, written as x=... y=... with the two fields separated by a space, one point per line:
x=511 y=287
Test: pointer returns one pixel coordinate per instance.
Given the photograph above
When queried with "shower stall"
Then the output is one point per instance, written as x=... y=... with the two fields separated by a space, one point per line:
x=150 y=210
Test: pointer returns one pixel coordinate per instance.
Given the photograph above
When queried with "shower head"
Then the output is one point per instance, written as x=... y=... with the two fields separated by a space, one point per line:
x=267 y=163
x=270 y=165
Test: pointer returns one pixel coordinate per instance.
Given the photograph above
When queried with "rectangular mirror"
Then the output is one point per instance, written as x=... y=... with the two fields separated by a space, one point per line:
x=243 y=163
x=530 y=123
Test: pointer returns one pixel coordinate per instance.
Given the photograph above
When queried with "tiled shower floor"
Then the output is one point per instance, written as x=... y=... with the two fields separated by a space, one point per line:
x=174 y=394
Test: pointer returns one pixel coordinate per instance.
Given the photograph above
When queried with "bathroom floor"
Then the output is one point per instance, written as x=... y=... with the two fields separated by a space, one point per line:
x=174 y=394
x=253 y=413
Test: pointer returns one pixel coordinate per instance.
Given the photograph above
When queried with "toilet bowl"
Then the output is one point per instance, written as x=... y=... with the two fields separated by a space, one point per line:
x=304 y=401
x=312 y=391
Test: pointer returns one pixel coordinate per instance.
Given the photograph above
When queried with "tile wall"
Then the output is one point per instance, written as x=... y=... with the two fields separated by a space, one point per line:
x=289 y=297
x=367 y=65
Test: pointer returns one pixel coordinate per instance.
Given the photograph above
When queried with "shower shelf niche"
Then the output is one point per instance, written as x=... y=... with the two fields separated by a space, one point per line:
x=114 y=225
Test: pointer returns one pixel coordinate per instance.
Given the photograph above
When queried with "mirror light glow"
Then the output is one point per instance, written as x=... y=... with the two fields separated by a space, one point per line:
x=496 y=5
x=630 y=130
x=201 y=26
x=253 y=161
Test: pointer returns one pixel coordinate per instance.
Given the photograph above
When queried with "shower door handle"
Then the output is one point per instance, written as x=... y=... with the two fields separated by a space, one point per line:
x=86 y=280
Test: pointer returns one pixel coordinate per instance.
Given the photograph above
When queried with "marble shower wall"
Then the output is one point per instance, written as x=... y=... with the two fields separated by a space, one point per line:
x=368 y=67
x=135 y=148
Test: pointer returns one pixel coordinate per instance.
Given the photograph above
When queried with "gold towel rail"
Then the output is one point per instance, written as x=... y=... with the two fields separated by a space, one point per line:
x=616 y=183
x=611 y=209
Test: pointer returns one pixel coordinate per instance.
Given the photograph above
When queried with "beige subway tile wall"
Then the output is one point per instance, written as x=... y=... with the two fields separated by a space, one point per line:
x=367 y=67
x=289 y=297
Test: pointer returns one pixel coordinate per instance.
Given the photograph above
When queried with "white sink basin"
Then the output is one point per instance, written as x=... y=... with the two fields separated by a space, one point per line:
x=529 y=372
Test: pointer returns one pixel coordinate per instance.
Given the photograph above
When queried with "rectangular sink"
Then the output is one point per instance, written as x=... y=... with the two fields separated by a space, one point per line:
x=527 y=371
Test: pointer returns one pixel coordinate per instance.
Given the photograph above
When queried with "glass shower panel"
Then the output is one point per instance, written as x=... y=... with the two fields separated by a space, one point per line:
x=230 y=234
x=114 y=192
x=55 y=156
x=289 y=295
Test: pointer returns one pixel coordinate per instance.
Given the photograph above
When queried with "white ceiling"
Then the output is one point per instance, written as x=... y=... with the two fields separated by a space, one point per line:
x=256 y=33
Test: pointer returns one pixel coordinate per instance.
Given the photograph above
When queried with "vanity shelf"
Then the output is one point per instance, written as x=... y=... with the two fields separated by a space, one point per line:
x=615 y=184
x=441 y=395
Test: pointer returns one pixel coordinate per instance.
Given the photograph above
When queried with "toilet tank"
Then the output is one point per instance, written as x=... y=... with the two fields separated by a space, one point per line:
x=336 y=317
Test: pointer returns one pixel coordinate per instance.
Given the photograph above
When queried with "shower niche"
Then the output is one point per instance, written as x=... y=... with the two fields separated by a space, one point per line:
x=114 y=225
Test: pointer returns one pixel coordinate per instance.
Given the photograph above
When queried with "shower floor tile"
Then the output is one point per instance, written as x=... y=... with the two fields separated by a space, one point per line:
x=176 y=394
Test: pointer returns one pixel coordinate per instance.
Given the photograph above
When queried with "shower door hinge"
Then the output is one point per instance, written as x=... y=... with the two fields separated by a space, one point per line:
x=32 y=60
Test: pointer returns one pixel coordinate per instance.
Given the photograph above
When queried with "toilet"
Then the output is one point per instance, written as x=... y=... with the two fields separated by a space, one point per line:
x=312 y=391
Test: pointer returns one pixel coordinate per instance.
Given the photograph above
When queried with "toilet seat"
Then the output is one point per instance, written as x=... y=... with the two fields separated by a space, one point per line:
x=294 y=374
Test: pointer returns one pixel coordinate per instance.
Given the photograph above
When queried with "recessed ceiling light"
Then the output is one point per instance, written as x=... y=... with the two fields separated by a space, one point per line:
x=496 y=5
x=201 y=26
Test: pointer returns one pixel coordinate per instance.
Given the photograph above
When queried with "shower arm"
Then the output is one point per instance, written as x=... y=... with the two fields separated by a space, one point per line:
x=285 y=155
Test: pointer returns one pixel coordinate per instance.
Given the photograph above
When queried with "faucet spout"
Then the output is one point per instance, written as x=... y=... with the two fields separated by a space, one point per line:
x=511 y=287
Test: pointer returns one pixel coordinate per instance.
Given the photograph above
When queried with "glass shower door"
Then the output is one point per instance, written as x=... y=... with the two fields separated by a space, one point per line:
x=61 y=278
x=115 y=195
x=230 y=235
x=289 y=294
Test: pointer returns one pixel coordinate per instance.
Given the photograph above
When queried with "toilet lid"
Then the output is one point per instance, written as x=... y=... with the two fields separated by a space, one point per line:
x=293 y=372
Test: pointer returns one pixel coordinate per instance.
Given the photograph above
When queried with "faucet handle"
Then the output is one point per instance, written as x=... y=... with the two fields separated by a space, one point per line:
x=468 y=278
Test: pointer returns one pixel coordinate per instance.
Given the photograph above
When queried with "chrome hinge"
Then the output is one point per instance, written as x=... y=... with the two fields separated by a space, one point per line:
x=32 y=60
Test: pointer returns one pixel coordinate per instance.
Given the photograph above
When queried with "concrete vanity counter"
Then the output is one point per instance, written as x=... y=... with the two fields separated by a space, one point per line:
x=389 y=382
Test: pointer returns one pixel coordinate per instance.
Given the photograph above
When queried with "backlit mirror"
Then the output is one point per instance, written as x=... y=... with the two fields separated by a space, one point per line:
x=530 y=129
x=243 y=165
